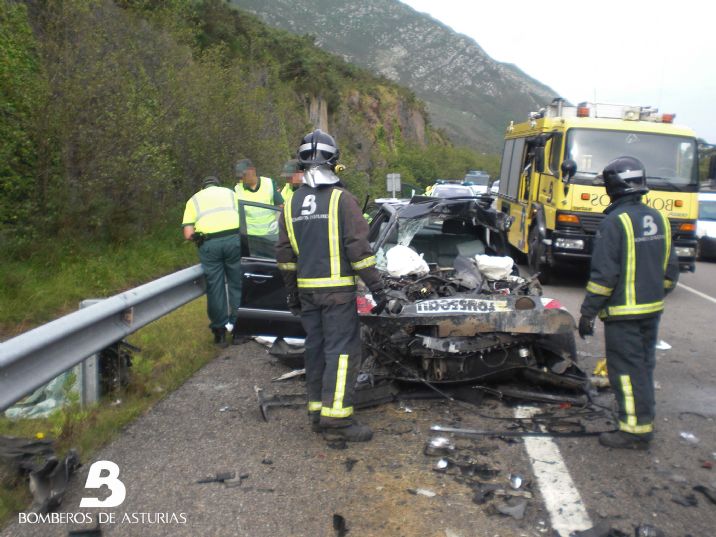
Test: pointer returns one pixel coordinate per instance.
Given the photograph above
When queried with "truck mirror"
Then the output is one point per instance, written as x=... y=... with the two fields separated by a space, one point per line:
x=569 y=168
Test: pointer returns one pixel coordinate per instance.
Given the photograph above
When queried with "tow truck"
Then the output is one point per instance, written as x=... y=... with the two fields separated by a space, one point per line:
x=548 y=170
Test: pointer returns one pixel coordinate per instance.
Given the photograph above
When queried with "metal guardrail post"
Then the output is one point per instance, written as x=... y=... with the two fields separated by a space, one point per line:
x=89 y=369
x=30 y=360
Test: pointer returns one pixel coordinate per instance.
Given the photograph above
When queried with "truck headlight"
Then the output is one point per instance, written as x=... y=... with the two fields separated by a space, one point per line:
x=569 y=244
x=684 y=251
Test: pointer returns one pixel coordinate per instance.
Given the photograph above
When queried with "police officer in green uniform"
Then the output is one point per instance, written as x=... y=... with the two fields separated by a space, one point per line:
x=212 y=221
x=322 y=247
x=294 y=179
x=633 y=266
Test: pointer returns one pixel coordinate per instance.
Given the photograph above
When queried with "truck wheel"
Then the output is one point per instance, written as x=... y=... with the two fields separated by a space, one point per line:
x=534 y=257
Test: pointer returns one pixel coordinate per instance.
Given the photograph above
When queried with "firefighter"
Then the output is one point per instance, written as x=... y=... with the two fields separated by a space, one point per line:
x=633 y=266
x=294 y=178
x=322 y=246
x=212 y=222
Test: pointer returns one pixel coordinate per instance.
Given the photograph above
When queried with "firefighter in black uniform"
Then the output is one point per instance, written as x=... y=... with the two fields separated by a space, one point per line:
x=633 y=266
x=322 y=246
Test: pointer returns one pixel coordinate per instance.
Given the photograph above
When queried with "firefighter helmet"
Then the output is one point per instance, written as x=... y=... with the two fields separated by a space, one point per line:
x=318 y=148
x=624 y=176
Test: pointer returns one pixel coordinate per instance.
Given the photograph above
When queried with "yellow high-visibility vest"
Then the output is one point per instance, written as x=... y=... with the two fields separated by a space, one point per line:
x=212 y=210
x=259 y=221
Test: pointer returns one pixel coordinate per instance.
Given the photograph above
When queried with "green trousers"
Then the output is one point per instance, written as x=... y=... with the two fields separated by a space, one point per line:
x=221 y=260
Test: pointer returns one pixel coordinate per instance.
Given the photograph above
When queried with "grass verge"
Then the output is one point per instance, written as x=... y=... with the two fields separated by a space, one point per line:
x=51 y=280
x=173 y=348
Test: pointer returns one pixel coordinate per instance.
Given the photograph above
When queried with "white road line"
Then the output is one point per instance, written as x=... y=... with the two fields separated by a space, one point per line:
x=702 y=295
x=561 y=497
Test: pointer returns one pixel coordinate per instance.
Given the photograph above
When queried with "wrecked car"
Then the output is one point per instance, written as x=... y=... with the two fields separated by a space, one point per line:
x=457 y=311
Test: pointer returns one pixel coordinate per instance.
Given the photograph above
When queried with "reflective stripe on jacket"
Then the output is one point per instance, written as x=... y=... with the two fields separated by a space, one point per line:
x=323 y=242
x=259 y=221
x=287 y=193
x=211 y=210
x=633 y=263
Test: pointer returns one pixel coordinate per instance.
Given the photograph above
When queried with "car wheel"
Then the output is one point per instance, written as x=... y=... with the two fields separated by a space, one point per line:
x=534 y=256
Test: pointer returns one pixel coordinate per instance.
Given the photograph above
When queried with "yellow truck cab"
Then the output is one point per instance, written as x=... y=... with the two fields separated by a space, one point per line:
x=548 y=170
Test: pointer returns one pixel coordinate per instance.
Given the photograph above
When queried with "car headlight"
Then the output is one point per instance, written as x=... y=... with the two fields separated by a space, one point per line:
x=683 y=251
x=569 y=244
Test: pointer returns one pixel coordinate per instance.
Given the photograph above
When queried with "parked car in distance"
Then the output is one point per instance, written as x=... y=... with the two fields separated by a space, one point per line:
x=478 y=181
x=706 y=226
x=451 y=190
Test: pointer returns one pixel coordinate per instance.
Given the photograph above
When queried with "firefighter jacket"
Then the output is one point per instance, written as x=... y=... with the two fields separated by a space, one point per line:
x=287 y=192
x=323 y=242
x=259 y=221
x=633 y=263
x=211 y=210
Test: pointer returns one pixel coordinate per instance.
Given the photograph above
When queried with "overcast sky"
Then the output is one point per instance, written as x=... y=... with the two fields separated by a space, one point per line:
x=658 y=53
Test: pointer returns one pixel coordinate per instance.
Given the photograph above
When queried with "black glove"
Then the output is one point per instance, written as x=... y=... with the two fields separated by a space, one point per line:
x=380 y=299
x=586 y=326
x=294 y=304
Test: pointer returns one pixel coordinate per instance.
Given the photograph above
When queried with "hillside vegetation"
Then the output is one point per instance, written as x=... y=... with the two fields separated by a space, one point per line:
x=468 y=93
x=111 y=112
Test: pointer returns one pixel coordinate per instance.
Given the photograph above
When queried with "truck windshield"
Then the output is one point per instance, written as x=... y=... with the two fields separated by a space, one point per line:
x=670 y=161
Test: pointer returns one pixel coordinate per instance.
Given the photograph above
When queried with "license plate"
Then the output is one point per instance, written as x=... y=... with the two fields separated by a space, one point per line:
x=461 y=305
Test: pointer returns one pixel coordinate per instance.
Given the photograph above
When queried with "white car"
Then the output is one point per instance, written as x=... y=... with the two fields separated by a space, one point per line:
x=706 y=225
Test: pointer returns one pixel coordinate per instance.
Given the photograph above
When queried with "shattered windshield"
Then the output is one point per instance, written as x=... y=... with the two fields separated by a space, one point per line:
x=670 y=161
x=437 y=238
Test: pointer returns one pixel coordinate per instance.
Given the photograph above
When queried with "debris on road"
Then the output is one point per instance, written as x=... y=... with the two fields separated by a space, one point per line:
x=290 y=375
x=219 y=477
x=647 y=530
x=86 y=532
x=689 y=437
x=439 y=445
x=423 y=492
x=662 y=346
x=35 y=459
x=49 y=482
x=709 y=492
x=340 y=526
x=688 y=500
x=514 y=508
x=602 y=529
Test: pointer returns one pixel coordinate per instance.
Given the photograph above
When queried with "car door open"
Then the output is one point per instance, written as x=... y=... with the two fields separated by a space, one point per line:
x=263 y=307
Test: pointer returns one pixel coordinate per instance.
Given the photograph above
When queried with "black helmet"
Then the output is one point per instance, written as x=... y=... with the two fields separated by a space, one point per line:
x=317 y=148
x=623 y=176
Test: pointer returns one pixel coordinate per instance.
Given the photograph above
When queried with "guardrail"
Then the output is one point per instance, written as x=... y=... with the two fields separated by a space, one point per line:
x=33 y=358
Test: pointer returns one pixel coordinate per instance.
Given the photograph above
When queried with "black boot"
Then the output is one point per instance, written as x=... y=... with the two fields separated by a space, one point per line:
x=348 y=430
x=219 y=337
x=623 y=440
x=315 y=419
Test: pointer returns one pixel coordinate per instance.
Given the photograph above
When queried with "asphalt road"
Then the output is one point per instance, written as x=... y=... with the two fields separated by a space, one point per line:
x=294 y=482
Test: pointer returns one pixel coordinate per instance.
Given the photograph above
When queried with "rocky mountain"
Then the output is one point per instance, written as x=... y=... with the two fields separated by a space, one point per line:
x=470 y=95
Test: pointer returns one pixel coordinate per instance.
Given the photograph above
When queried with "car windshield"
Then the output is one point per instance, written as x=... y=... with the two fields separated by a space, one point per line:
x=479 y=180
x=438 y=238
x=707 y=210
x=670 y=161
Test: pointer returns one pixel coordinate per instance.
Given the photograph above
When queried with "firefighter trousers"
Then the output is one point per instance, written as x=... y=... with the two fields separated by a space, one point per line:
x=332 y=354
x=631 y=358
x=221 y=260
